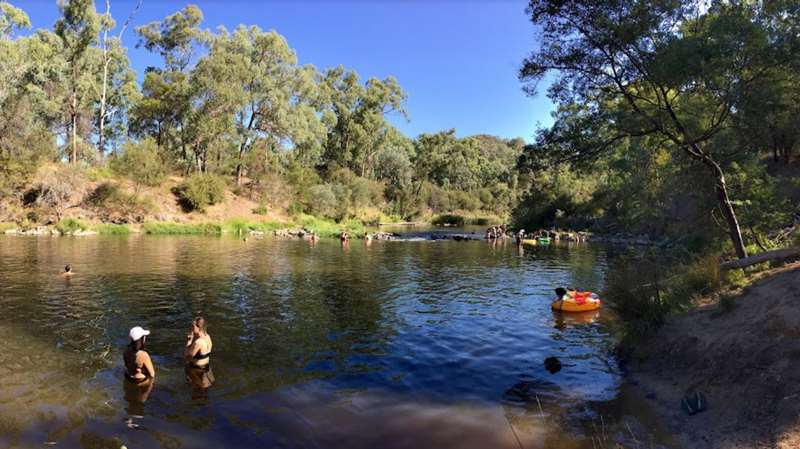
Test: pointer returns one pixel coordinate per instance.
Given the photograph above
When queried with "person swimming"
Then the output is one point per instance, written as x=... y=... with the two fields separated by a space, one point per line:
x=67 y=271
x=198 y=344
x=138 y=365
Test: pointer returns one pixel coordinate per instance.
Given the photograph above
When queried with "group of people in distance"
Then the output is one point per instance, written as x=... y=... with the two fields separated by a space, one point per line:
x=496 y=232
x=140 y=373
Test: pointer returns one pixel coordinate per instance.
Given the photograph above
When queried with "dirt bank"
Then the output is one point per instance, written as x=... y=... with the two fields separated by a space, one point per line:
x=744 y=355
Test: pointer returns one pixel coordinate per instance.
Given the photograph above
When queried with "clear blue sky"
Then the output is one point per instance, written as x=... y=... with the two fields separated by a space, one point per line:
x=456 y=59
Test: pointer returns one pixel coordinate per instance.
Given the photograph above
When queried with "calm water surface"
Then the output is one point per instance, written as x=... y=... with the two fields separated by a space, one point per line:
x=397 y=345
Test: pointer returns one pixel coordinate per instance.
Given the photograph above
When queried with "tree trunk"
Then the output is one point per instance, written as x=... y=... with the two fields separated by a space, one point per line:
x=724 y=200
x=101 y=117
x=73 y=119
x=101 y=143
x=726 y=207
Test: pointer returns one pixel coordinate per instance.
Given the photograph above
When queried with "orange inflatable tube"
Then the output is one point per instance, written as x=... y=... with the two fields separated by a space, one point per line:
x=577 y=302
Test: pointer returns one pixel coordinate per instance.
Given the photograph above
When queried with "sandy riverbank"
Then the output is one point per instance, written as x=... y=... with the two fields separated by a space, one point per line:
x=743 y=355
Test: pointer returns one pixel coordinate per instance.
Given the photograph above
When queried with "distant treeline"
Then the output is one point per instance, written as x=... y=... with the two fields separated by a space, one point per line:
x=225 y=106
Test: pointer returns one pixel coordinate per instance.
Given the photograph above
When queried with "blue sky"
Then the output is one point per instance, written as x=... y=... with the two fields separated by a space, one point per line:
x=456 y=59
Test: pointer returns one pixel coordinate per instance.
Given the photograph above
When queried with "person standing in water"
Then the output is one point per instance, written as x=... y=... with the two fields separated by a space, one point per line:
x=139 y=374
x=138 y=365
x=197 y=355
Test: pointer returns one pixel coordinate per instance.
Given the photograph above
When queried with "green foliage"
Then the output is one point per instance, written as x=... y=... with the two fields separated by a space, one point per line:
x=140 y=162
x=240 y=226
x=448 y=220
x=200 y=190
x=644 y=288
x=7 y=226
x=328 y=228
x=157 y=228
x=111 y=229
x=11 y=19
x=262 y=209
x=735 y=278
x=69 y=226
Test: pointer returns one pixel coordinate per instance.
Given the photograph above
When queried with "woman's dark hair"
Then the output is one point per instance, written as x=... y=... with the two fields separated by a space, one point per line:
x=67 y=268
x=137 y=345
x=200 y=322
x=560 y=292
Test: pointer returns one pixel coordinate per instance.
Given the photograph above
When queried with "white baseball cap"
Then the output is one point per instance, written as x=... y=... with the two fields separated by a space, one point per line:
x=137 y=333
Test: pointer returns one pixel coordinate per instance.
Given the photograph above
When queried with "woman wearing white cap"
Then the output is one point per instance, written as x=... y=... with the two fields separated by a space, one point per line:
x=138 y=365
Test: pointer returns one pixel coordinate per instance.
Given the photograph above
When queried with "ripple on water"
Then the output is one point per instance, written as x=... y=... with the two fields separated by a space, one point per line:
x=400 y=344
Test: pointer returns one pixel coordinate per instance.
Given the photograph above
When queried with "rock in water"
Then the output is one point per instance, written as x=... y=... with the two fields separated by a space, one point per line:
x=552 y=364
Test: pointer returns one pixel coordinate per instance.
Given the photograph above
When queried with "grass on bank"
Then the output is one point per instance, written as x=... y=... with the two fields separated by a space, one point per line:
x=328 y=228
x=240 y=226
x=7 y=226
x=70 y=226
x=154 y=228
x=111 y=229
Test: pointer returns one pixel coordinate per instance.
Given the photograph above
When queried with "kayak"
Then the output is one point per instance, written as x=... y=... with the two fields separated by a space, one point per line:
x=577 y=302
x=544 y=240
x=532 y=242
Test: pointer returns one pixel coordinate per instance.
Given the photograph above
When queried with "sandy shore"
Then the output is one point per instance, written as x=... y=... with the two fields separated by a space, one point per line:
x=744 y=356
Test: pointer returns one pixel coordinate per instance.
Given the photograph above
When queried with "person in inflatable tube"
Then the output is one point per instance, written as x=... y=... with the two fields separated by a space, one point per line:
x=564 y=296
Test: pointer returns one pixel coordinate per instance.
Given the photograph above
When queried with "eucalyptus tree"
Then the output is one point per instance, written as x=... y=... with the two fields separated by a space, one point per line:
x=356 y=118
x=117 y=84
x=11 y=19
x=166 y=103
x=665 y=68
x=78 y=28
x=31 y=103
x=274 y=100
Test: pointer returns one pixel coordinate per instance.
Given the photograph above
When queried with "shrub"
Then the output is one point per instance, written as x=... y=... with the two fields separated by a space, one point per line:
x=57 y=187
x=201 y=190
x=70 y=226
x=116 y=206
x=329 y=228
x=460 y=199
x=140 y=162
x=448 y=220
x=262 y=209
x=480 y=221
x=322 y=201
x=644 y=288
x=7 y=226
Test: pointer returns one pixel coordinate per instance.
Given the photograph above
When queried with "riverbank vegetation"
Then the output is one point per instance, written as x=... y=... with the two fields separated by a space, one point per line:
x=223 y=116
x=675 y=121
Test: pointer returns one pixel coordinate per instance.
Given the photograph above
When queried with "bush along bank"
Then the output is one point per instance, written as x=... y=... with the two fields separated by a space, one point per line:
x=298 y=226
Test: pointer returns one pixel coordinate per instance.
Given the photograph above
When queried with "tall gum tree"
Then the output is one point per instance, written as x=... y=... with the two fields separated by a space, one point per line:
x=274 y=98
x=117 y=82
x=668 y=68
x=78 y=28
x=164 y=110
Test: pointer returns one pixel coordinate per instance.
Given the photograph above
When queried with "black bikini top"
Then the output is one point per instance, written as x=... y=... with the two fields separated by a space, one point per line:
x=199 y=356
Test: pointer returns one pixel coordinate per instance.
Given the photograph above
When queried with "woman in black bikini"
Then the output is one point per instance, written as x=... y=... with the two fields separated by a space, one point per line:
x=197 y=355
x=138 y=365
x=139 y=371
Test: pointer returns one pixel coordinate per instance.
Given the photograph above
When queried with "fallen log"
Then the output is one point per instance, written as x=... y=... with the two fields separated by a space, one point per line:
x=778 y=254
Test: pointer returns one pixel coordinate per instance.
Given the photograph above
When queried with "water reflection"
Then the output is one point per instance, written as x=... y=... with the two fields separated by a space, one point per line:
x=396 y=344
x=200 y=379
x=136 y=395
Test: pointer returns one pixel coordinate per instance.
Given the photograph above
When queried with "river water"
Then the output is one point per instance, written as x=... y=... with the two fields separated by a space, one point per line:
x=411 y=344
